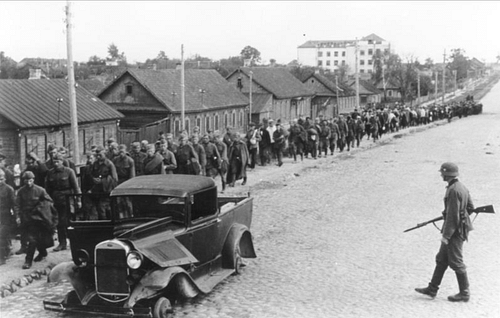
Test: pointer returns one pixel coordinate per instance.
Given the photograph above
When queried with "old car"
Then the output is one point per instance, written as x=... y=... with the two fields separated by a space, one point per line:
x=162 y=238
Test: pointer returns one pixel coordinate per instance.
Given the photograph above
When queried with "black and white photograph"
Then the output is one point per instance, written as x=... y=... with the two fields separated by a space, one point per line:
x=249 y=159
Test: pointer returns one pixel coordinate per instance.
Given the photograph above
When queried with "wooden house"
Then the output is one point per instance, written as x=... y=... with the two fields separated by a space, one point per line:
x=330 y=99
x=276 y=93
x=153 y=98
x=35 y=113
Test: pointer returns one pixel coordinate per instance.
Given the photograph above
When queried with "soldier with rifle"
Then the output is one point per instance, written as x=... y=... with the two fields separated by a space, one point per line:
x=458 y=205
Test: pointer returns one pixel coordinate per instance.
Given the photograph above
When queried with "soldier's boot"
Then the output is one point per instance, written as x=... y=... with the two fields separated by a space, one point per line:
x=463 y=285
x=61 y=237
x=24 y=246
x=244 y=181
x=223 y=186
x=433 y=287
x=42 y=254
x=30 y=252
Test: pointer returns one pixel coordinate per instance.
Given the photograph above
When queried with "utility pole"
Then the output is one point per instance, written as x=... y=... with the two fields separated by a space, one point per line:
x=436 y=85
x=71 y=84
x=418 y=86
x=337 y=93
x=357 y=75
x=250 y=99
x=444 y=71
x=183 y=95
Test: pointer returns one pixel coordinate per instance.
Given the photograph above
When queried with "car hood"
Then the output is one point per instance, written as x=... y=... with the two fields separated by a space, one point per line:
x=163 y=249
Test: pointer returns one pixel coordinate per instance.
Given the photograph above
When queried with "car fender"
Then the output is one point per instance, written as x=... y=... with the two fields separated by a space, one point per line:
x=239 y=236
x=68 y=271
x=153 y=283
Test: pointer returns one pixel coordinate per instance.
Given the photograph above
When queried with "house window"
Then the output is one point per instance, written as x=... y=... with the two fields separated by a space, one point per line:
x=328 y=63
x=336 y=53
x=389 y=93
x=239 y=84
x=226 y=120
x=129 y=89
x=328 y=54
x=320 y=54
x=177 y=127
x=343 y=62
x=377 y=51
x=234 y=119
x=370 y=71
x=320 y=63
x=216 y=123
x=186 y=125
x=335 y=62
x=370 y=41
x=343 y=53
x=361 y=62
x=241 y=119
x=362 y=52
x=370 y=62
x=362 y=71
x=198 y=123
x=370 y=52
x=207 y=123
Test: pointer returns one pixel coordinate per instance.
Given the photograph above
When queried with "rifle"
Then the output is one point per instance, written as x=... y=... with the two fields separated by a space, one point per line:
x=481 y=209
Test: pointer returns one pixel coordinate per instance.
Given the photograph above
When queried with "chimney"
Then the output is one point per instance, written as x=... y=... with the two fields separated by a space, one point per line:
x=35 y=74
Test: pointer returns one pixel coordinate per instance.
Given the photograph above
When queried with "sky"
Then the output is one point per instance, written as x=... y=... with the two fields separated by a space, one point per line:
x=220 y=29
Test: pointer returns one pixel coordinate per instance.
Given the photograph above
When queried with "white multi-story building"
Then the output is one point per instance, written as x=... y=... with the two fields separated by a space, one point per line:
x=330 y=55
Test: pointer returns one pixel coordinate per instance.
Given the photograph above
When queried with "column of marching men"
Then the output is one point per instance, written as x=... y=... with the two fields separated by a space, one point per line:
x=36 y=206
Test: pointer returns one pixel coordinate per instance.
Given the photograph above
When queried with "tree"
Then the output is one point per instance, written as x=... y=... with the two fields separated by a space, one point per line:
x=229 y=65
x=459 y=63
x=250 y=53
x=113 y=52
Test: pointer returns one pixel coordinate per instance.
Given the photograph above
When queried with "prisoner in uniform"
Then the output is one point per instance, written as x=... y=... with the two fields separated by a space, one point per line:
x=60 y=182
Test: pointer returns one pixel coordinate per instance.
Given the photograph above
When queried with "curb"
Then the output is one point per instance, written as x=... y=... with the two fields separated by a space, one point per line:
x=18 y=283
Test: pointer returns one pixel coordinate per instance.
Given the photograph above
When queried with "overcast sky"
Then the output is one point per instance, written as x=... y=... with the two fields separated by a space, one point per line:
x=219 y=29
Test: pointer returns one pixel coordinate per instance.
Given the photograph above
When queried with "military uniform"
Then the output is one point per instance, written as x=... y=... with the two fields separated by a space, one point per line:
x=7 y=220
x=455 y=230
x=33 y=207
x=59 y=183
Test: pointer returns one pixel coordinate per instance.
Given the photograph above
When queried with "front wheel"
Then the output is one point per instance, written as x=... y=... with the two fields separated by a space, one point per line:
x=162 y=308
x=238 y=262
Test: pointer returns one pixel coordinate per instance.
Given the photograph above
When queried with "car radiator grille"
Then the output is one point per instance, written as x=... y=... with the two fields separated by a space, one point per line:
x=111 y=270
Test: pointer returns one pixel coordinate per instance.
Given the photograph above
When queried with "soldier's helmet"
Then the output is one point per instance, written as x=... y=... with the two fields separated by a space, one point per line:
x=449 y=169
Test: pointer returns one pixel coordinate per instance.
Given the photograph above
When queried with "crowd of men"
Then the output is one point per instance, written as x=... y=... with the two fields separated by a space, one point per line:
x=39 y=206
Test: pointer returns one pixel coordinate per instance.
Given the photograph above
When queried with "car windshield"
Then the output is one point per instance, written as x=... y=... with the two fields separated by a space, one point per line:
x=127 y=207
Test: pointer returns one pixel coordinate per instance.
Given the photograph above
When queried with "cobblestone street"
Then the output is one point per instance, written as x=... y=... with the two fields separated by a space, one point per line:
x=329 y=232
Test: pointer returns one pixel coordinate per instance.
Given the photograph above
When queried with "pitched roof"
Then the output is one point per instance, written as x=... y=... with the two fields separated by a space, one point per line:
x=93 y=85
x=201 y=85
x=372 y=37
x=365 y=88
x=278 y=81
x=33 y=103
x=329 y=84
x=388 y=85
x=259 y=102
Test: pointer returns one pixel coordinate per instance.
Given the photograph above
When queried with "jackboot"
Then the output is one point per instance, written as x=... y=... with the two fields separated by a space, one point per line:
x=244 y=181
x=30 y=252
x=22 y=250
x=433 y=287
x=42 y=254
x=61 y=237
x=463 y=285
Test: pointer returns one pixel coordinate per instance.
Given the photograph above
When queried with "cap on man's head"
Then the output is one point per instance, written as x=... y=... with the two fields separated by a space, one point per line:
x=110 y=140
x=28 y=175
x=51 y=147
x=58 y=156
x=449 y=169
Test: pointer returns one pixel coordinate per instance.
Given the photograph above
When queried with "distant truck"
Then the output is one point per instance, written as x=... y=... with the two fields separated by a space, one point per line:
x=167 y=237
